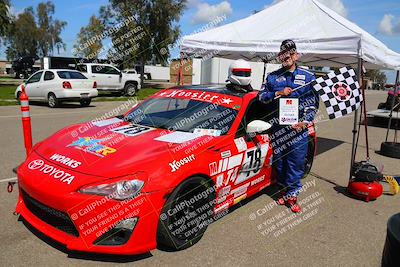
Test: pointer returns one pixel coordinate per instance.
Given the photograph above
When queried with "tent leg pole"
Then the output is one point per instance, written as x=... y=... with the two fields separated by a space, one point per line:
x=392 y=105
x=353 y=146
x=180 y=73
x=265 y=69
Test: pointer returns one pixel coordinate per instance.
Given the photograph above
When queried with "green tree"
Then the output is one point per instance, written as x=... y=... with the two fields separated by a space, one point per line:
x=5 y=17
x=89 y=42
x=49 y=30
x=33 y=34
x=23 y=36
x=148 y=29
x=377 y=77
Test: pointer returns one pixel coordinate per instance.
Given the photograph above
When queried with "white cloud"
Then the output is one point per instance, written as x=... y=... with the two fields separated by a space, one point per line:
x=206 y=12
x=335 y=5
x=14 y=12
x=387 y=25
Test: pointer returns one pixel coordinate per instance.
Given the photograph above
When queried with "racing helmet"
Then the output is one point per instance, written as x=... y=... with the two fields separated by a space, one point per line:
x=240 y=73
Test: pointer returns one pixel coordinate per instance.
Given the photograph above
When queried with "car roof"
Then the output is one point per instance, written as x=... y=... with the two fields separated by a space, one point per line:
x=212 y=88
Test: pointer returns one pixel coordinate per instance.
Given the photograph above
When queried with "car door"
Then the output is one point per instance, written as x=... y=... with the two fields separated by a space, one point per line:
x=48 y=84
x=244 y=167
x=107 y=77
x=32 y=85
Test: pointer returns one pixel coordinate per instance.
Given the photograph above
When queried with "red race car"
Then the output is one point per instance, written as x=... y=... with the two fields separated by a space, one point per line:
x=158 y=175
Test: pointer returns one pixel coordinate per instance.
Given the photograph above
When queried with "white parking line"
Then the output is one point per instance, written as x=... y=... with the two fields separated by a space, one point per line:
x=8 y=180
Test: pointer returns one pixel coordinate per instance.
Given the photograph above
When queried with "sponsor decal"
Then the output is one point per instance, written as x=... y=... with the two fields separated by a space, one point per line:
x=54 y=172
x=66 y=161
x=35 y=164
x=224 y=191
x=225 y=164
x=131 y=130
x=222 y=207
x=299 y=82
x=238 y=199
x=240 y=144
x=204 y=96
x=93 y=146
x=240 y=190
x=280 y=79
x=220 y=180
x=257 y=180
x=225 y=154
x=212 y=132
x=176 y=164
x=300 y=76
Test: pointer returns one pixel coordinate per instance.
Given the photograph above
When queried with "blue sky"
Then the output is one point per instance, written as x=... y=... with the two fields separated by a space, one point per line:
x=379 y=18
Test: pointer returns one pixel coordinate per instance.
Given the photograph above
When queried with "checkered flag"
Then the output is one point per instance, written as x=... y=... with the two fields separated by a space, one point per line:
x=340 y=92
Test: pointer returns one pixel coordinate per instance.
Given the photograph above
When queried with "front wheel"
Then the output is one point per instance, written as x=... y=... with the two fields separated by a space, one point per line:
x=186 y=214
x=85 y=102
x=52 y=100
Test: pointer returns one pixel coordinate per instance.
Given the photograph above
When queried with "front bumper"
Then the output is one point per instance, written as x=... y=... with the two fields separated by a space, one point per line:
x=72 y=220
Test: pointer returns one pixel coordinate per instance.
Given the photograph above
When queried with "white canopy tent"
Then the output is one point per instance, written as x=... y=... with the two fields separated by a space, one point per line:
x=323 y=37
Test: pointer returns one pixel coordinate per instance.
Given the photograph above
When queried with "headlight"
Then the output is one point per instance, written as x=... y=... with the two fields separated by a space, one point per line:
x=120 y=190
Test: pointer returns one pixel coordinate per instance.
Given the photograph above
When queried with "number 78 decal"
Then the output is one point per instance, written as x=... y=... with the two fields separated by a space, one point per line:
x=252 y=163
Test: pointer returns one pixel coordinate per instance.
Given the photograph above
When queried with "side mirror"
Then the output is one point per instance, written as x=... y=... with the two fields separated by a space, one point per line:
x=257 y=126
x=120 y=74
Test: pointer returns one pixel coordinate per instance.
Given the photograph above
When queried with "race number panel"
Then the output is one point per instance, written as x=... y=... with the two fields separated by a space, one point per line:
x=254 y=159
x=131 y=130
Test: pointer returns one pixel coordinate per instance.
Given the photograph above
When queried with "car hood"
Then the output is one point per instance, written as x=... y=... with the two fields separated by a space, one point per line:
x=113 y=148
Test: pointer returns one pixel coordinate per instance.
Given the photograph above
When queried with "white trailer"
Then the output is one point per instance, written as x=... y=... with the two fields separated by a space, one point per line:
x=157 y=72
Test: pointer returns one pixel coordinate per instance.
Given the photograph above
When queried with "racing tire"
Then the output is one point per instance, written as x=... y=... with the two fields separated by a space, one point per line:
x=390 y=149
x=130 y=89
x=186 y=216
x=85 y=102
x=52 y=100
x=382 y=105
x=310 y=157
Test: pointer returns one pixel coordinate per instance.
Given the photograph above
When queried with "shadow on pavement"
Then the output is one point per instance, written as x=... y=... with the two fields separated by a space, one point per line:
x=326 y=144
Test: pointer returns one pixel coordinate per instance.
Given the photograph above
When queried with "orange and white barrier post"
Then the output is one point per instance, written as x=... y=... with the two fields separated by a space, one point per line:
x=26 y=121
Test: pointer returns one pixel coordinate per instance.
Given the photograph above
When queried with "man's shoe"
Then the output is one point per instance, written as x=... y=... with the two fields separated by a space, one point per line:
x=294 y=207
x=281 y=200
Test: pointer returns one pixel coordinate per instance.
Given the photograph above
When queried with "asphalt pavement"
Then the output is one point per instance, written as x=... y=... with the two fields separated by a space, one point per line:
x=333 y=230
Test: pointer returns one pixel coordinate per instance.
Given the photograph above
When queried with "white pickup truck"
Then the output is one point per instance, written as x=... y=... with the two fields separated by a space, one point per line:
x=111 y=79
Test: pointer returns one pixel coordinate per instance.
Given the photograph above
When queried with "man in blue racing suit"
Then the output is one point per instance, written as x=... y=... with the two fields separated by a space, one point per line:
x=290 y=143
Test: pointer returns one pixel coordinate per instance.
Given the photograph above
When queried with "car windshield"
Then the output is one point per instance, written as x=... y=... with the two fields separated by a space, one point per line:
x=70 y=75
x=183 y=115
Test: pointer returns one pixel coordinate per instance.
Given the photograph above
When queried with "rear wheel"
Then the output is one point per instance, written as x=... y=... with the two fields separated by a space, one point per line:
x=186 y=214
x=52 y=100
x=130 y=89
x=85 y=102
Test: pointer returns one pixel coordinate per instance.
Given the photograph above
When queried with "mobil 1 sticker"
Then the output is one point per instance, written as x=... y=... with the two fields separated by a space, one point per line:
x=131 y=129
